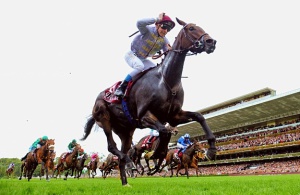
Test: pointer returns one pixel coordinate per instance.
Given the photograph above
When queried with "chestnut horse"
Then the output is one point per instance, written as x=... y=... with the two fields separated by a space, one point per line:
x=189 y=158
x=10 y=170
x=49 y=163
x=155 y=98
x=33 y=159
x=68 y=162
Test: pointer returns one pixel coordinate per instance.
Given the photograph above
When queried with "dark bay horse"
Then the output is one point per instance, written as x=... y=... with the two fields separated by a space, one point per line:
x=111 y=163
x=155 y=98
x=150 y=148
x=33 y=159
x=80 y=165
x=189 y=158
x=92 y=167
x=139 y=168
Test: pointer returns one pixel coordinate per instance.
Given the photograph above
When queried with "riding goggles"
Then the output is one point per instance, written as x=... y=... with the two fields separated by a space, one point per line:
x=166 y=27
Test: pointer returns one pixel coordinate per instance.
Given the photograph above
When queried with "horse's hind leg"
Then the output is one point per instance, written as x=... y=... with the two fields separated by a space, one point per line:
x=102 y=118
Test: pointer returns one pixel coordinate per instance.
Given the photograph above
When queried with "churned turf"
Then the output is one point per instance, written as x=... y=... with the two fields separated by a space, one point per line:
x=217 y=185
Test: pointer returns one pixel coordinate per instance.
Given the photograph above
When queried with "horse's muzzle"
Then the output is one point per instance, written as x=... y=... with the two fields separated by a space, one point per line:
x=210 y=46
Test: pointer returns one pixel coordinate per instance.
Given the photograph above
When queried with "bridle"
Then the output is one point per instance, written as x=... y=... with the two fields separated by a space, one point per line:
x=196 y=43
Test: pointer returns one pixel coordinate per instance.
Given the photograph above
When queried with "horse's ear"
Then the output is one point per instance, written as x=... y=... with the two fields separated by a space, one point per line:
x=182 y=23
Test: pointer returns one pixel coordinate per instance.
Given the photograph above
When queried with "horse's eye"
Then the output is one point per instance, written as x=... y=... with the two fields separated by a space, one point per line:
x=191 y=28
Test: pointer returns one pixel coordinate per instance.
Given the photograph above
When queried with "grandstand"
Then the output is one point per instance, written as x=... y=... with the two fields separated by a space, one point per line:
x=255 y=128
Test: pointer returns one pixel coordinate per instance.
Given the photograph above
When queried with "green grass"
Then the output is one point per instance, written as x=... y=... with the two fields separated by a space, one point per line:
x=217 y=185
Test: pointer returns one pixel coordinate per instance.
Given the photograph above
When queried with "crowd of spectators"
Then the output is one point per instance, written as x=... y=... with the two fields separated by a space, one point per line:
x=262 y=139
x=272 y=167
x=262 y=168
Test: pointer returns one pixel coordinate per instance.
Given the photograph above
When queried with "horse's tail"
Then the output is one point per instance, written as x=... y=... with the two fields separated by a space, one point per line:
x=88 y=127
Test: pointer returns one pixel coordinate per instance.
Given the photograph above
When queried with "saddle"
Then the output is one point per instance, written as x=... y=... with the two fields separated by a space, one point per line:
x=179 y=154
x=63 y=159
x=145 y=143
x=109 y=92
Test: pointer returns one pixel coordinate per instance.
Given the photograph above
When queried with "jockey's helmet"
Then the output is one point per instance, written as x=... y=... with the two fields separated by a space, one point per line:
x=167 y=23
x=45 y=138
x=186 y=136
x=74 y=141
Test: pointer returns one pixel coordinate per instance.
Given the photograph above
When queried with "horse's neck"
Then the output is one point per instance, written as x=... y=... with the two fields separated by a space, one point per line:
x=43 y=151
x=172 y=68
x=189 y=151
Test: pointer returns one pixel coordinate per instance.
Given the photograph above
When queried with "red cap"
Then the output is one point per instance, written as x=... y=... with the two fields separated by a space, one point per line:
x=166 y=20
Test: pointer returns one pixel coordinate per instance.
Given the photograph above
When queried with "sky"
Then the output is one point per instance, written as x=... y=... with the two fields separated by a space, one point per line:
x=56 y=56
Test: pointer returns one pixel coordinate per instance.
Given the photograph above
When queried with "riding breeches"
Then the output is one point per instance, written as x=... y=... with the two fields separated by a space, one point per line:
x=138 y=64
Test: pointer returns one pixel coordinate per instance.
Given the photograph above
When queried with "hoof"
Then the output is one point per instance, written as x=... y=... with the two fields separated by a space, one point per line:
x=211 y=154
x=127 y=185
x=130 y=165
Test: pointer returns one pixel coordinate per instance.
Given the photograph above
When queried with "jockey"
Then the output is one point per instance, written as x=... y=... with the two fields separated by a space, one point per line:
x=71 y=147
x=153 y=133
x=11 y=165
x=81 y=153
x=37 y=144
x=94 y=156
x=183 y=142
x=149 y=41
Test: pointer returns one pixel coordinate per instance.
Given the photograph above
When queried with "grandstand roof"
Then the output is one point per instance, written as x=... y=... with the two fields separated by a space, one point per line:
x=237 y=113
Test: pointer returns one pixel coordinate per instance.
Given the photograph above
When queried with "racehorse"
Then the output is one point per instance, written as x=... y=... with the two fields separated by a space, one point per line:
x=189 y=158
x=49 y=163
x=154 y=99
x=111 y=162
x=80 y=165
x=68 y=162
x=139 y=168
x=33 y=159
x=92 y=167
x=10 y=170
x=140 y=148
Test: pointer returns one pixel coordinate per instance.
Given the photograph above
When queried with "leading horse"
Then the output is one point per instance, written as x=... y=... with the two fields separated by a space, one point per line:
x=154 y=99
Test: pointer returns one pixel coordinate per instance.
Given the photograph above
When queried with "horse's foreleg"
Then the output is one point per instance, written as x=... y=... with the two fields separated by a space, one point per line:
x=178 y=169
x=186 y=167
x=122 y=164
x=21 y=173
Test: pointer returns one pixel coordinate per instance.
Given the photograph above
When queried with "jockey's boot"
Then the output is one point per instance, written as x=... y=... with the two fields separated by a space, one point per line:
x=177 y=157
x=120 y=91
x=23 y=158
